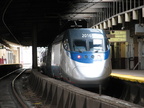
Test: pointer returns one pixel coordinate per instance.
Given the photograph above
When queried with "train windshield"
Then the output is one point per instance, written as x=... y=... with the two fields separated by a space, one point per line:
x=94 y=45
x=79 y=45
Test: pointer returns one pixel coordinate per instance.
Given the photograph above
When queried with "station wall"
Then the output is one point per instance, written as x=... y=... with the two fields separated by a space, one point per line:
x=9 y=55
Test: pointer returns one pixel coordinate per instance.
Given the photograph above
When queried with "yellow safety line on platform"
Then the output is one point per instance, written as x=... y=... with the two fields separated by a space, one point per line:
x=128 y=77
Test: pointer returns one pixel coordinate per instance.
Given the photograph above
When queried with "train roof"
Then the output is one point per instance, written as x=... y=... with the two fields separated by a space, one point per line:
x=83 y=32
x=86 y=29
x=78 y=33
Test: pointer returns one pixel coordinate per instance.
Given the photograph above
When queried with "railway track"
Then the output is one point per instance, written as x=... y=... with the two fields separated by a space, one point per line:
x=10 y=98
x=15 y=91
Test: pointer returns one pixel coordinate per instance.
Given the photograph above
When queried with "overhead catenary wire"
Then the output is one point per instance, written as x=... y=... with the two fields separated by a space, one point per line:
x=3 y=16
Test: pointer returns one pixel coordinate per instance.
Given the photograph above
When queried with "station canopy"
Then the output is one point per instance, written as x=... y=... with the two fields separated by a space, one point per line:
x=19 y=18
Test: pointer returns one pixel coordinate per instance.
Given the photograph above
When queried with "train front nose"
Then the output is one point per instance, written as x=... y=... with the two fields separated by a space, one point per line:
x=88 y=71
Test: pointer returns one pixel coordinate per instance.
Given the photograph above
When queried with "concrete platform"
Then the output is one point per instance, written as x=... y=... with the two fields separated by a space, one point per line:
x=6 y=68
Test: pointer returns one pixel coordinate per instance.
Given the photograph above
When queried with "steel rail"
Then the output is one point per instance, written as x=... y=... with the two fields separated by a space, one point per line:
x=23 y=104
x=19 y=99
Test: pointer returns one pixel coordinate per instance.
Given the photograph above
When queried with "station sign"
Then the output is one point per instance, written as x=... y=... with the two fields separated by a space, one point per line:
x=118 y=35
x=139 y=29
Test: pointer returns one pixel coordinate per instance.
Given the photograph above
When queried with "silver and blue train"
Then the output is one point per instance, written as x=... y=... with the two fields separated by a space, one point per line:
x=79 y=56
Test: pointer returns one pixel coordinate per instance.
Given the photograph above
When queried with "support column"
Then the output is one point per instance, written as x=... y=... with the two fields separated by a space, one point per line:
x=34 y=47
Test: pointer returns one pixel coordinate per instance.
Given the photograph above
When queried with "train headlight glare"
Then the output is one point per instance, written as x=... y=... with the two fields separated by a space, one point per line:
x=78 y=56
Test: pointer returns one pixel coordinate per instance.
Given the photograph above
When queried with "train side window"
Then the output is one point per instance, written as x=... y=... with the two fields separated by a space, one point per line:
x=107 y=44
x=66 y=45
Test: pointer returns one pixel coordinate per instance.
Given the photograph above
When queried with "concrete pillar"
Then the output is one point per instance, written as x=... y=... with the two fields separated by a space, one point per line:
x=141 y=53
x=34 y=47
x=142 y=12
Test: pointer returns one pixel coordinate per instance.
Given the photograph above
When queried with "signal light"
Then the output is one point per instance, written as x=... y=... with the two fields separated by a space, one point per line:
x=78 y=56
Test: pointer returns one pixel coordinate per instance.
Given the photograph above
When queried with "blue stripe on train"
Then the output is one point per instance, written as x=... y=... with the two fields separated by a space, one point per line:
x=87 y=57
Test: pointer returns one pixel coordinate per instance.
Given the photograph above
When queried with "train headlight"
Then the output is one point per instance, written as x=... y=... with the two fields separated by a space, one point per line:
x=78 y=56
x=92 y=56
